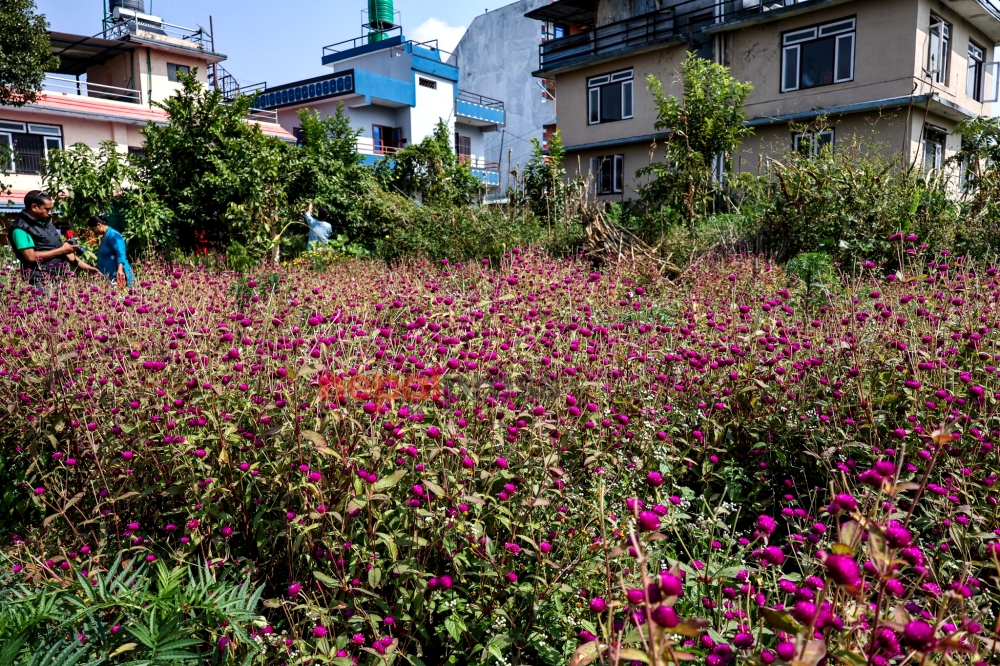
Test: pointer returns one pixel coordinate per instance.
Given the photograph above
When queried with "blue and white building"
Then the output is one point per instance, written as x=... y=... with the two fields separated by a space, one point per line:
x=394 y=91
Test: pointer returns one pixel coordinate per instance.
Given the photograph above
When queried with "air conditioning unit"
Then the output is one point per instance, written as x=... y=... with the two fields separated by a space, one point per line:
x=138 y=20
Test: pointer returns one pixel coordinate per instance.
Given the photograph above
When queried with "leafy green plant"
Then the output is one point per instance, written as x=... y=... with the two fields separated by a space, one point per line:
x=87 y=182
x=217 y=173
x=431 y=172
x=704 y=126
x=151 y=614
x=24 y=41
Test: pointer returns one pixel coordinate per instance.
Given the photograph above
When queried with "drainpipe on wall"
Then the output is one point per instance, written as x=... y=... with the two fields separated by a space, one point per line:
x=149 y=75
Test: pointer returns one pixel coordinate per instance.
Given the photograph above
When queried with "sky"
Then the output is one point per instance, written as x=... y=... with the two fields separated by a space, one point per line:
x=278 y=41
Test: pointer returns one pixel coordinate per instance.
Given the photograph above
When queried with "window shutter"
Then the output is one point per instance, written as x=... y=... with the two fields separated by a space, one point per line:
x=595 y=106
x=991 y=82
x=845 y=58
x=790 y=68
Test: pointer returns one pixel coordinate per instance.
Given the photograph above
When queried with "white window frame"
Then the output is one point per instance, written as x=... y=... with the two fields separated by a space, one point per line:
x=9 y=137
x=811 y=137
x=51 y=138
x=617 y=174
x=976 y=72
x=595 y=91
x=939 y=147
x=845 y=33
x=938 y=49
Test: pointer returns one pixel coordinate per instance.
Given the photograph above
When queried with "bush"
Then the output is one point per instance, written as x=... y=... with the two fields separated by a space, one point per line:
x=848 y=203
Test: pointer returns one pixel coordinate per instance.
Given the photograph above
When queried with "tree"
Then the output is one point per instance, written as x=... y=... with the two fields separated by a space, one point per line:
x=431 y=172
x=330 y=172
x=86 y=182
x=24 y=52
x=219 y=174
x=544 y=178
x=704 y=126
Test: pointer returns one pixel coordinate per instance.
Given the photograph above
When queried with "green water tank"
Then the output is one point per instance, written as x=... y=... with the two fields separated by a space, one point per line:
x=381 y=15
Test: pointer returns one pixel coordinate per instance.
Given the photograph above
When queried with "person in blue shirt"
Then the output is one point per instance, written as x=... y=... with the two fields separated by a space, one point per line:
x=319 y=227
x=111 y=259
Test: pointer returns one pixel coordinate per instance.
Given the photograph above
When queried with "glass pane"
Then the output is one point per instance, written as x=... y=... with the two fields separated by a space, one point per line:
x=619 y=173
x=611 y=102
x=28 y=153
x=845 y=57
x=627 y=99
x=606 y=175
x=595 y=105
x=790 y=66
x=972 y=80
x=817 y=63
x=823 y=140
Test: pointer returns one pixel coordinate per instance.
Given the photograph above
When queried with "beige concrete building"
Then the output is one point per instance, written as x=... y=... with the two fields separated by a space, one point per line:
x=899 y=74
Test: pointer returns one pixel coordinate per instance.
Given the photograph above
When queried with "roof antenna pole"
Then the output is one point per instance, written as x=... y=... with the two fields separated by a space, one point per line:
x=215 y=65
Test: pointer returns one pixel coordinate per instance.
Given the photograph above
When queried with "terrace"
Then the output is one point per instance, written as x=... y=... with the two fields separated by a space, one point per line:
x=479 y=110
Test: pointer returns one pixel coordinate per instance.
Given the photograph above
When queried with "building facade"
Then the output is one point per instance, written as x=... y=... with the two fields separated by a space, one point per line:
x=395 y=92
x=898 y=74
x=506 y=36
x=104 y=91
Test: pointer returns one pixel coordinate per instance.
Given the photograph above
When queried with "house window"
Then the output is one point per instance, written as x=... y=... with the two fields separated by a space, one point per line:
x=25 y=146
x=463 y=148
x=427 y=83
x=174 y=70
x=552 y=31
x=609 y=97
x=609 y=173
x=938 y=49
x=934 y=142
x=977 y=71
x=386 y=140
x=818 y=56
x=812 y=143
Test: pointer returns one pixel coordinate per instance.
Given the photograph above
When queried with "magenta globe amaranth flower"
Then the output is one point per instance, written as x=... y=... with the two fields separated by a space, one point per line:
x=843 y=570
x=294 y=589
x=785 y=650
x=919 y=635
x=743 y=640
x=648 y=521
x=320 y=632
x=665 y=616
x=766 y=525
x=598 y=605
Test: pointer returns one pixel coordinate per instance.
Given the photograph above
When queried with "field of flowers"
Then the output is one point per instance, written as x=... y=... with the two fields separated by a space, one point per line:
x=534 y=463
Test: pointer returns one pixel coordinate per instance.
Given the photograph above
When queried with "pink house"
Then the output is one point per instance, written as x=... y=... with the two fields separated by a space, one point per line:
x=103 y=91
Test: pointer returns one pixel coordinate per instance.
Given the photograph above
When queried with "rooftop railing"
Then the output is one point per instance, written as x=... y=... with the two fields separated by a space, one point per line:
x=127 y=25
x=70 y=86
x=358 y=42
x=630 y=34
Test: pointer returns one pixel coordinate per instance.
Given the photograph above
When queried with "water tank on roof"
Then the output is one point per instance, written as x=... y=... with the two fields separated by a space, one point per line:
x=381 y=15
x=136 y=5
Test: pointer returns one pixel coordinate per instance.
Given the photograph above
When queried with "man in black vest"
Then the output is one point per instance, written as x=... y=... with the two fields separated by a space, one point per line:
x=38 y=245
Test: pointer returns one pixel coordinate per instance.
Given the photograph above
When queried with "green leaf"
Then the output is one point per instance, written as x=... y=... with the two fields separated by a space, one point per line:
x=326 y=580
x=374 y=577
x=390 y=481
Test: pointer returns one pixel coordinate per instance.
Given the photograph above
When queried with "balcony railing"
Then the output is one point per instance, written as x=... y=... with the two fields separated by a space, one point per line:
x=631 y=34
x=481 y=100
x=263 y=116
x=478 y=163
x=364 y=41
x=68 y=86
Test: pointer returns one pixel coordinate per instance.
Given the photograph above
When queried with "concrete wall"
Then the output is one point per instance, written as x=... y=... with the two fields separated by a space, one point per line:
x=571 y=90
x=476 y=138
x=496 y=58
x=433 y=106
x=886 y=132
x=636 y=156
x=890 y=57
x=961 y=33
